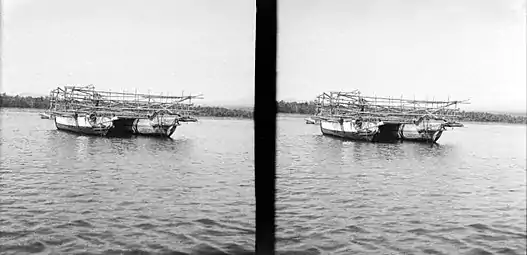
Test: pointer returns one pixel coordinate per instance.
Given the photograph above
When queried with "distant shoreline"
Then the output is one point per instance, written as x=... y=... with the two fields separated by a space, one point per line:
x=304 y=109
x=200 y=117
x=299 y=116
x=309 y=108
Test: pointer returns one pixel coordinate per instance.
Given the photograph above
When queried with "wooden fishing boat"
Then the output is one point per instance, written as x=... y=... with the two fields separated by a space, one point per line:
x=87 y=111
x=44 y=115
x=105 y=126
x=88 y=124
x=315 y=119
x=161 y=126
x=424 y=130
x=351 y=129
x=188 y=119
x=310 y=121
x=353 y=116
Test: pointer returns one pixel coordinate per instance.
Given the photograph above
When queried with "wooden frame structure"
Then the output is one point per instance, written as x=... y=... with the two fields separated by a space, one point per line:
x=354 y=105
x=82 y=109
x=85 y=99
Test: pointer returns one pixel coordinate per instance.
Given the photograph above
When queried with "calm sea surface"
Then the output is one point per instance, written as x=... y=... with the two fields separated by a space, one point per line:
x=63 y=193
x=466 y=195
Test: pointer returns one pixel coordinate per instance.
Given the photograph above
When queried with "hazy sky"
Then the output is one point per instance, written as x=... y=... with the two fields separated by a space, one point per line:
x=198 y=46
x=463 y=48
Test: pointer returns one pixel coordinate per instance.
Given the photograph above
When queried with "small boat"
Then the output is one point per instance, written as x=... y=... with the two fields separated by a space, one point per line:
x=44 y=115
x=188 y=119
x=310 y=121
x=313 y=120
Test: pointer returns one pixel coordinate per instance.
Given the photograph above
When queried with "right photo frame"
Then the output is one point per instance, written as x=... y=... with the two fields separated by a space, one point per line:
x=400 y=127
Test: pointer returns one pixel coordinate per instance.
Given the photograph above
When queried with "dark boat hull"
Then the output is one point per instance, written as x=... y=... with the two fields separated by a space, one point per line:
x=384 y=132
x=188 y=119
x=144 y=127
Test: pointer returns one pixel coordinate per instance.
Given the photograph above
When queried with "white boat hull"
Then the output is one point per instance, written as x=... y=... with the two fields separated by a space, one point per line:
x=350 y=130
x=162 y=127
x=84 y=125
x=426 y=131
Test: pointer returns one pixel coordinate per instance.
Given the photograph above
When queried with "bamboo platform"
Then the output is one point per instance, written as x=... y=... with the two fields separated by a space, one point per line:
x=397 y=110
x=69 y=100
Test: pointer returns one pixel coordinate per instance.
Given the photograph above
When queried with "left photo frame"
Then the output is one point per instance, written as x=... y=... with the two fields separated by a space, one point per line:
x=127 y=127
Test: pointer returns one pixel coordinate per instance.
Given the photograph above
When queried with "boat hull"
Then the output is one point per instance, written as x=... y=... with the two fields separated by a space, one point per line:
x=82 y=125
x=412 y=132
x=160 y=126
x=426 y=131
x=147 y=127
x=188 y=119
x=310 y=121
x=44 y=116
x=348 y=130
x=144 y=127
x=315 y=120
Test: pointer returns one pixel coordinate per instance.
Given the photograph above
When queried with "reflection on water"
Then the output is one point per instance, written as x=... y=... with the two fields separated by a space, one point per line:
x=465 y=195
x=63 y=193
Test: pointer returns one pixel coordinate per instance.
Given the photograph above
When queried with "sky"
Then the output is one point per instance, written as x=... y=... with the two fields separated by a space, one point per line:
x=427 y=49
x=161 y=46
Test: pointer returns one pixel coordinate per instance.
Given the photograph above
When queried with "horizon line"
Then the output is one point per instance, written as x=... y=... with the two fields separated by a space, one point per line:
x=245 y=105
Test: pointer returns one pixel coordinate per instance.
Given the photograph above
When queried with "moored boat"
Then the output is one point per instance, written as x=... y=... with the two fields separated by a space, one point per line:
x=105 y=126
x=157 y=125
x=310 y=121
x=315 y=119
x=353 y=116
x=86 y=111
x=88 y=124
x=424 y=130
x=188 y=119
x=350 y=129
x=44 y=115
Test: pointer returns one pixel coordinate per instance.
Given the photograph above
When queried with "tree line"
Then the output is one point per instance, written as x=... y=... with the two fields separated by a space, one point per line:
x=7 y=101
x=23 y=102
x=282 y=107
x=222 y=112
x=310 y=108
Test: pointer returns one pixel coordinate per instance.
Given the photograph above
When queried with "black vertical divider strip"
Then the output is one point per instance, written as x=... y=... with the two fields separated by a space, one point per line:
x=265 y=124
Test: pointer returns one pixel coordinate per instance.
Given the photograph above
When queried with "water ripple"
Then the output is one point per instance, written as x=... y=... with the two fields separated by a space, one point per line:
x=465 y=195
x=61 y=193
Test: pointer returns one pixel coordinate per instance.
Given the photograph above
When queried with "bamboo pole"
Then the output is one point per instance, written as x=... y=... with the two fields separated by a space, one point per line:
x=87 y=99
x=352 y=104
